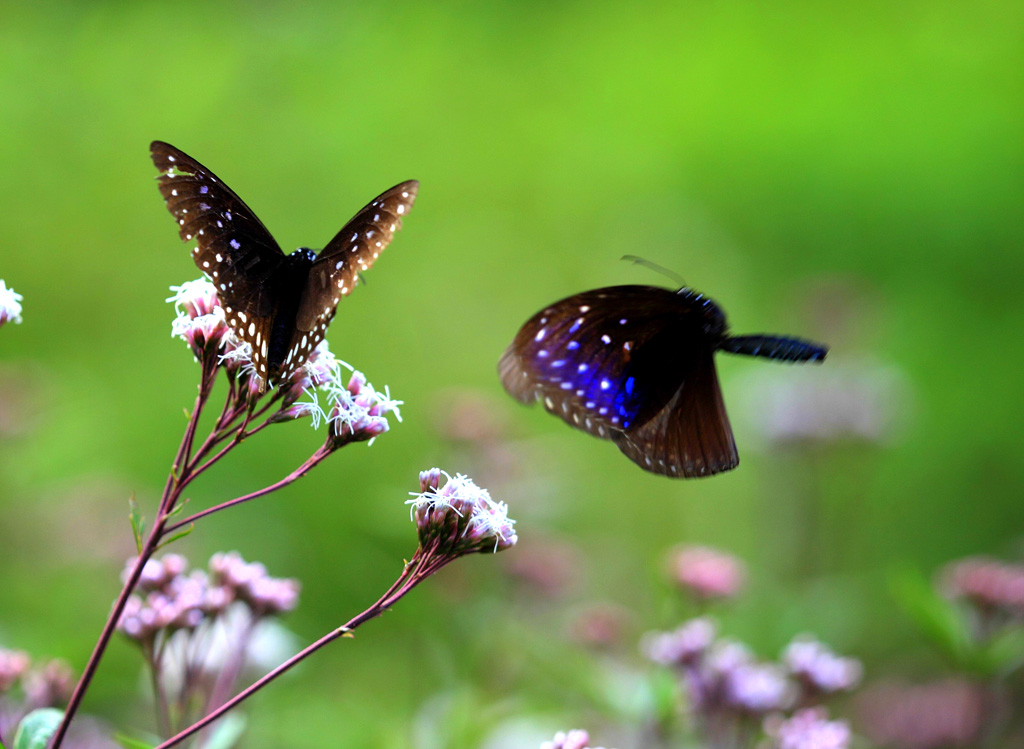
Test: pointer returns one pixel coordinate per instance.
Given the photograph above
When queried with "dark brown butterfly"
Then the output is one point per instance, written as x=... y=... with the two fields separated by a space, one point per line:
x=279 y=304
x=635 y=364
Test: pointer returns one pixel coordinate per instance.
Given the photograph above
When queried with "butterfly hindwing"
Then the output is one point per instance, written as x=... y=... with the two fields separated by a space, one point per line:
x=335 y=271
x=690 y=436
x=232 y=246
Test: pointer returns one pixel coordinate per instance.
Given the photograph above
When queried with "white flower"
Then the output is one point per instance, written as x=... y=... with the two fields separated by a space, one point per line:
x=462 y=516
x=358 y=411
x=10 y=304
x=194 y=298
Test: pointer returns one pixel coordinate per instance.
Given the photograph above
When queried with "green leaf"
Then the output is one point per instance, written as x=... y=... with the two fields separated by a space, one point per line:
x=1004 y=653
x=178 y=508
x=227 y=733
x=37 y=728
x=176 y=536
x=938 y=619
x=129 y=743
x=138 y=522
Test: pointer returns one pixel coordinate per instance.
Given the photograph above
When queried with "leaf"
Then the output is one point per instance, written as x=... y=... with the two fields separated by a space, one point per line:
x=938 y=619
x=178 y=508
x=129 y=743
x=176 y=536
x=37 y=728
x=227 y=733
x=138 y=522
x=1004 y=653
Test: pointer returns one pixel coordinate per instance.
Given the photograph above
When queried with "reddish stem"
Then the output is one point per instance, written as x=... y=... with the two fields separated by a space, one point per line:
x=311 y=462
x=167 y=501
x=418 y=570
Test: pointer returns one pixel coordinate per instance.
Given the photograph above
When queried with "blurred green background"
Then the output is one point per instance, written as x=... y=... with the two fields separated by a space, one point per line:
x=846 y=172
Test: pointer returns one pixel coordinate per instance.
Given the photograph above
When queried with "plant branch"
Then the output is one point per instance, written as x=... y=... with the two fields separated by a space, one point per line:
x=415 y=572
x=311 y=462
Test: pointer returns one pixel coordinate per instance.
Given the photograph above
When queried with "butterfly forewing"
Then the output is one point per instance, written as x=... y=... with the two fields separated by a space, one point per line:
x=334 y=273
x=232 y=246
x=575 y=356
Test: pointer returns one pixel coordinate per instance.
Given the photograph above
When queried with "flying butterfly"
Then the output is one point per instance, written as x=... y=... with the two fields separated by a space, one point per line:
x=279 y=304
x=635 y=365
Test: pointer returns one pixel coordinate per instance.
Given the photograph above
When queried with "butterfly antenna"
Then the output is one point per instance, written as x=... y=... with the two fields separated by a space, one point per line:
x=637 y=260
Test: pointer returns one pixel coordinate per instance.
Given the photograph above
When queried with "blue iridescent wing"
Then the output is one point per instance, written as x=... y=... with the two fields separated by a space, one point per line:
x=573 y=356
x=632 y=364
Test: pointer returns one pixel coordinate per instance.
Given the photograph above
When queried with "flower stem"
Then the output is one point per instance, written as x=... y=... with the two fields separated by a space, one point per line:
x=167 y=500
x=415 y=572
x=298 y=473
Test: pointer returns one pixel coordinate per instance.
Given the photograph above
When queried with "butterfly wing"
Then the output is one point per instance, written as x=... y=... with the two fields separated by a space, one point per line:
x=633 y=364
x=335 y=271
x=232 y=246
x=575 y=357
x=690 y=435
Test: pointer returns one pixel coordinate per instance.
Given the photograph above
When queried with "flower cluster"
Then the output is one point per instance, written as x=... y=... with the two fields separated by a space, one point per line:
x=25 y=687
x=170 y=598
x=199 y=629
x=10 y=304
x=808 y=729
x=199 y=319
x=951 y=712
x=13 y=665
x=707 y=573
x=726 y=685
x=818 y=669
x=249 y=583
x=992 y=586
x=354 y=411
x=576 y=739
x=459 y=517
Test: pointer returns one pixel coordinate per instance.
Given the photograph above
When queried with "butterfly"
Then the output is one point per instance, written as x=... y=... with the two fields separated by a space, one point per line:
x=279 y=304
x=635 y=365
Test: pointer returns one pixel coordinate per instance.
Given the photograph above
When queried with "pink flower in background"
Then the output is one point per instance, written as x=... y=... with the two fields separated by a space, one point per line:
x=683 y=646
x=707 y=573
x=576 y=739
x=923 y=716
x=808 y=729
x=989 y=584
x=13 y=665
x=819 y=669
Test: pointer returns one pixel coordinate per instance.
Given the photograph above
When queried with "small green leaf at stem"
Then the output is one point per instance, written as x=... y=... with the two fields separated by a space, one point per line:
x=178 y=508
x=129 y=743
x=180 y=534
x=138 y=522
x=37 y=728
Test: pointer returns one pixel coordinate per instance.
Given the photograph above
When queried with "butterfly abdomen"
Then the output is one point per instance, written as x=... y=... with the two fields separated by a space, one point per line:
x=774 y=347
x=293 y=276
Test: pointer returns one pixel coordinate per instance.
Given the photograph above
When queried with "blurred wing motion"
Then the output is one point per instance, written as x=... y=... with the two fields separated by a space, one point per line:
x=635 y=364
x=280 y=305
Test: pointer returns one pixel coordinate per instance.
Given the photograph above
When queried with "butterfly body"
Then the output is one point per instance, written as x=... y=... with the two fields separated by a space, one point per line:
x=280 y=305
x=635 y=365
